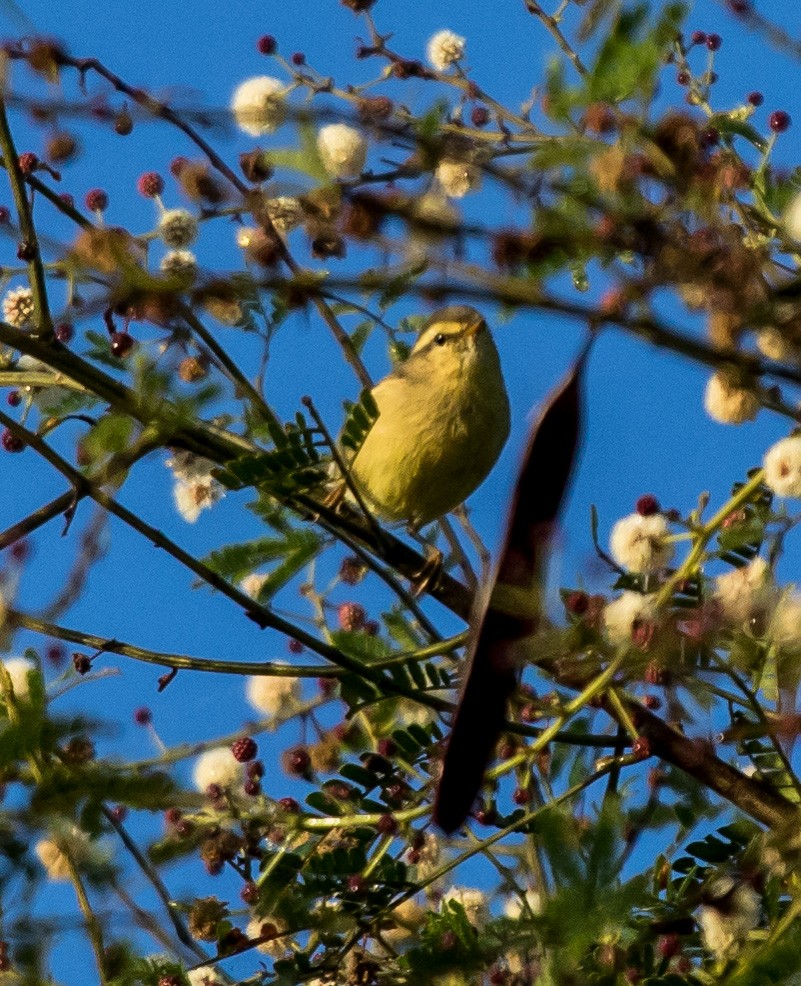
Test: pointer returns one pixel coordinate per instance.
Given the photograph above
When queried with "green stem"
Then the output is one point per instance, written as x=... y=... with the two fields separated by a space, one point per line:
x=705 y=534
x=36 y=274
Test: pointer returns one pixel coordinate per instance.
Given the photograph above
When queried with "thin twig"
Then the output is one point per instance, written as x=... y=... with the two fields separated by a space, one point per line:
x=30 y=242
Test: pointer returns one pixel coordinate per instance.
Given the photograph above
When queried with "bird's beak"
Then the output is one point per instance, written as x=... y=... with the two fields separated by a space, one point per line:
x=475 y=327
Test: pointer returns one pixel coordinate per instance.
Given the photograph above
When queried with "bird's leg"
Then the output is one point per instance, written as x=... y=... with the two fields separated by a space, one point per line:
x=335 y=497
x=429 y=575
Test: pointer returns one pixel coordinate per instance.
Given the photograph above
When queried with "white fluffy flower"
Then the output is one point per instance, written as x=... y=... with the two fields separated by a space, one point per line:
x=259 y=105
x=342 y=149
x=272 y=695
x=792 y=219
x=623 y=613
x=285 y=213
x=771 y=343
x=73 y=842
x=435 y=212
x=726 y=922
x=425 y=859
x=177 y=228
x=513 y=908
x=252 y=584
x=782 y=464
x=245 y=236
x=408 y=917
x=269 y=927
x=18 y=308
x=179 y=262
x=742 y=592
x=472 y=900
x=785 y=626
x=727 y=403
x=445 y=49
x=217 y=766
x=640 y=543
x=204 y=975
x=195 y=488
x=18 y=669
x=457 y=178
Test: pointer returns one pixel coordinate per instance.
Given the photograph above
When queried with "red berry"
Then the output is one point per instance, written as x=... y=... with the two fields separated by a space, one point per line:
x=64 y=333
x=668 y=946
x=647 y=505
x=755 y=98
x=252 y=788
x=55 y=654
x=297 y=761
x=172 y=816
x=351 y=616
x=683 y=78
x=10 y=442
x=577 y=602
x=641 y=748
x=67 y=199
x=295 y=646
x=255 y=770
x=81 y=663
x=244 y=749
x=290 y=805
x=479 y=116
x=119 y=813
x=28 y=162
x=249 y=893
x=121 y=344
x=356 y=883
x=779 y=121
x=710 y=137
x=150 y=184
x=521 y=796
x=387 y=747
x=652 y=702
x=5 y=215
x=713 y=42
x=298 y=58
x=177 y=165
x=20 y=550
x=740 y=7
x=387 y=825
x=698 y=38
x=96 y=200
x=13 y=398
x=142 y=716
x=267 y=44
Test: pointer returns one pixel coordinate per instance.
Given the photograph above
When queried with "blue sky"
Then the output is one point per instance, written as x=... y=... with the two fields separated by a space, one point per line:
x=646 y=431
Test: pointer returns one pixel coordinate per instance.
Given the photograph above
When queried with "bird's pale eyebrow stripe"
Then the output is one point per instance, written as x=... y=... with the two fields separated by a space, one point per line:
x=430 y=334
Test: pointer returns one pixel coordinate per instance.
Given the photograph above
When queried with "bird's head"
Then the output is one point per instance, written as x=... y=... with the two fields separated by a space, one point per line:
x=453 y=337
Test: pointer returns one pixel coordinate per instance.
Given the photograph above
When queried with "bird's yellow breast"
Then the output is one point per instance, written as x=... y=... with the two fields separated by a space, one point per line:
x=434 y=441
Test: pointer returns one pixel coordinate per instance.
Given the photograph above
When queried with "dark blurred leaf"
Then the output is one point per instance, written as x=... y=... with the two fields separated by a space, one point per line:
x=511 y=612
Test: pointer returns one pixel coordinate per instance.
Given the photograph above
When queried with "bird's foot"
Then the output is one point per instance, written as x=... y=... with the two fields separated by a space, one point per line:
x=335 y=497
x=429 y=575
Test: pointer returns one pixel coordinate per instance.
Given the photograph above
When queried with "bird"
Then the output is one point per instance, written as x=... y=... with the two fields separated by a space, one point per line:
x=443 y=419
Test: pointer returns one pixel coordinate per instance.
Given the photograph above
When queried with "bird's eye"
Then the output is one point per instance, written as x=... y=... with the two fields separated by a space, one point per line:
x=440 y=338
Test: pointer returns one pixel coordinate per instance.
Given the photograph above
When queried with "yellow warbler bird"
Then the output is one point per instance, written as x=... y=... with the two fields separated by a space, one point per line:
x=443 y=418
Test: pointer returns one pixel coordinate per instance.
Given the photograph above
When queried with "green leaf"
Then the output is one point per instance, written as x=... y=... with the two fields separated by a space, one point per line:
x=727 y=124
x=632 y=53
x=113 y=433
x=360 y=419
x=293 y=551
